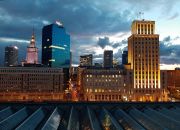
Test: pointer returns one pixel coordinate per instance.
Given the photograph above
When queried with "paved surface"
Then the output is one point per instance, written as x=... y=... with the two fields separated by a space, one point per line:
x=90 y=116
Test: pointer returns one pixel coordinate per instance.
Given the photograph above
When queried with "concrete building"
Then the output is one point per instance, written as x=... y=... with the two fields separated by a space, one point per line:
x=164 y=84
x=164 y=79
x=11 y=56
x=170 y=83
x=143 y=55
x=108 y=59
x=100 y=84
x=37 y=81
x=86 y=60
x=173 y=80
x=125 y=57
x=174 y=83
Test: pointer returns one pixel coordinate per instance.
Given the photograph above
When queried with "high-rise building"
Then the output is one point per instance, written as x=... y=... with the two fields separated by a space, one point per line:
x=86 y=60
x=11 y=56
x=70 y=58
x=32 y=52
x=108 y=58
x=55 y=46
x=125 y=57
x=143 y=55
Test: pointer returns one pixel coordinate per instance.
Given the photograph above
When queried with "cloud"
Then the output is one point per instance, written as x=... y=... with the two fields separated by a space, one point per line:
x=13 y=40
x=117 y=44
x=88 y=17
x=84 y=20
x=169 y=66
x=169 y=52
x=102 y=42
x=167 y=39
x=174 y=16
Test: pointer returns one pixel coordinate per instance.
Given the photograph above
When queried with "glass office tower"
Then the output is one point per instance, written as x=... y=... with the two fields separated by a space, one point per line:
x=11 y=56
x=55 y=46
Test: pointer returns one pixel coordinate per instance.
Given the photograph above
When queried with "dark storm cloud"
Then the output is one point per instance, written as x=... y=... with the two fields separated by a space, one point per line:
x=145 y=5
x=83 y=19
x=78 y=17
x=117 y=44
x=166 y=39
x=169 y=53
x=103 y=42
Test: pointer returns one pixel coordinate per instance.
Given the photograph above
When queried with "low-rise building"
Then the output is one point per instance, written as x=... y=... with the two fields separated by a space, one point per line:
x=173 y=80
x=37 y=81
x=99 y=84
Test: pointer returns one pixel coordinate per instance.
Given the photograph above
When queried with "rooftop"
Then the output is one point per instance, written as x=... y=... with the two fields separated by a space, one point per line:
x=90 y=115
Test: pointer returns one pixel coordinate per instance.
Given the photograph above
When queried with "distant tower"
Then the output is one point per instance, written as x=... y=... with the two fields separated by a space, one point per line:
x=125 y=57
x=86 y=60
x=32 y=52
x=11 y=56
x=108 y=58
x=55 y=46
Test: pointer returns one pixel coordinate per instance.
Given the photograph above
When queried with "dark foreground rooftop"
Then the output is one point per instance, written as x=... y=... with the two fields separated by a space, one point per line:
x=90 y=116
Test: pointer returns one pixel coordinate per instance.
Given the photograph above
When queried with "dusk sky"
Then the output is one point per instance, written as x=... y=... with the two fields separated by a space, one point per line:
x=94 y=25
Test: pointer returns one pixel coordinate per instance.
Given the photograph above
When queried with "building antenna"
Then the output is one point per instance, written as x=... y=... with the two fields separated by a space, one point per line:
x=33 y=31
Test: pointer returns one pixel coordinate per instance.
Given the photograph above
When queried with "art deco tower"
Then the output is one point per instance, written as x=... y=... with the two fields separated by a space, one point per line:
x=32 y=52
x=143 y=55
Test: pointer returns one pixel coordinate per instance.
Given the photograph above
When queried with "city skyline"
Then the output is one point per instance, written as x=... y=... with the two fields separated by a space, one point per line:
x=90 y=64
x=110 y=20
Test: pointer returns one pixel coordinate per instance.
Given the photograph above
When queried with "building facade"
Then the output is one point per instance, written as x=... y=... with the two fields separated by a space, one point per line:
x=86 y=60
x=99 y=84
x=11 y=56
x=125 y=57
x=26 y=83
x=174 y=83
x=32 y=52
x=164 y=79
x=143 y=55
x=108 y=59
x=173 y=80
x=55 y=46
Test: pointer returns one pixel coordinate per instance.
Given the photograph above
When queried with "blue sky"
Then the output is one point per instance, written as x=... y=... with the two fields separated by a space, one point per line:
x=94 y=25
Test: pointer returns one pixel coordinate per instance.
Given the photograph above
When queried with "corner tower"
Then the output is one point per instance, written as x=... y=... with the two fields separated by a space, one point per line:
x=143 y=55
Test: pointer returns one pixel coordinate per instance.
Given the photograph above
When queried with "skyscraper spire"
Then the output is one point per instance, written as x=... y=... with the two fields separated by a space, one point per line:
x=32 y=43
x=32 y=51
